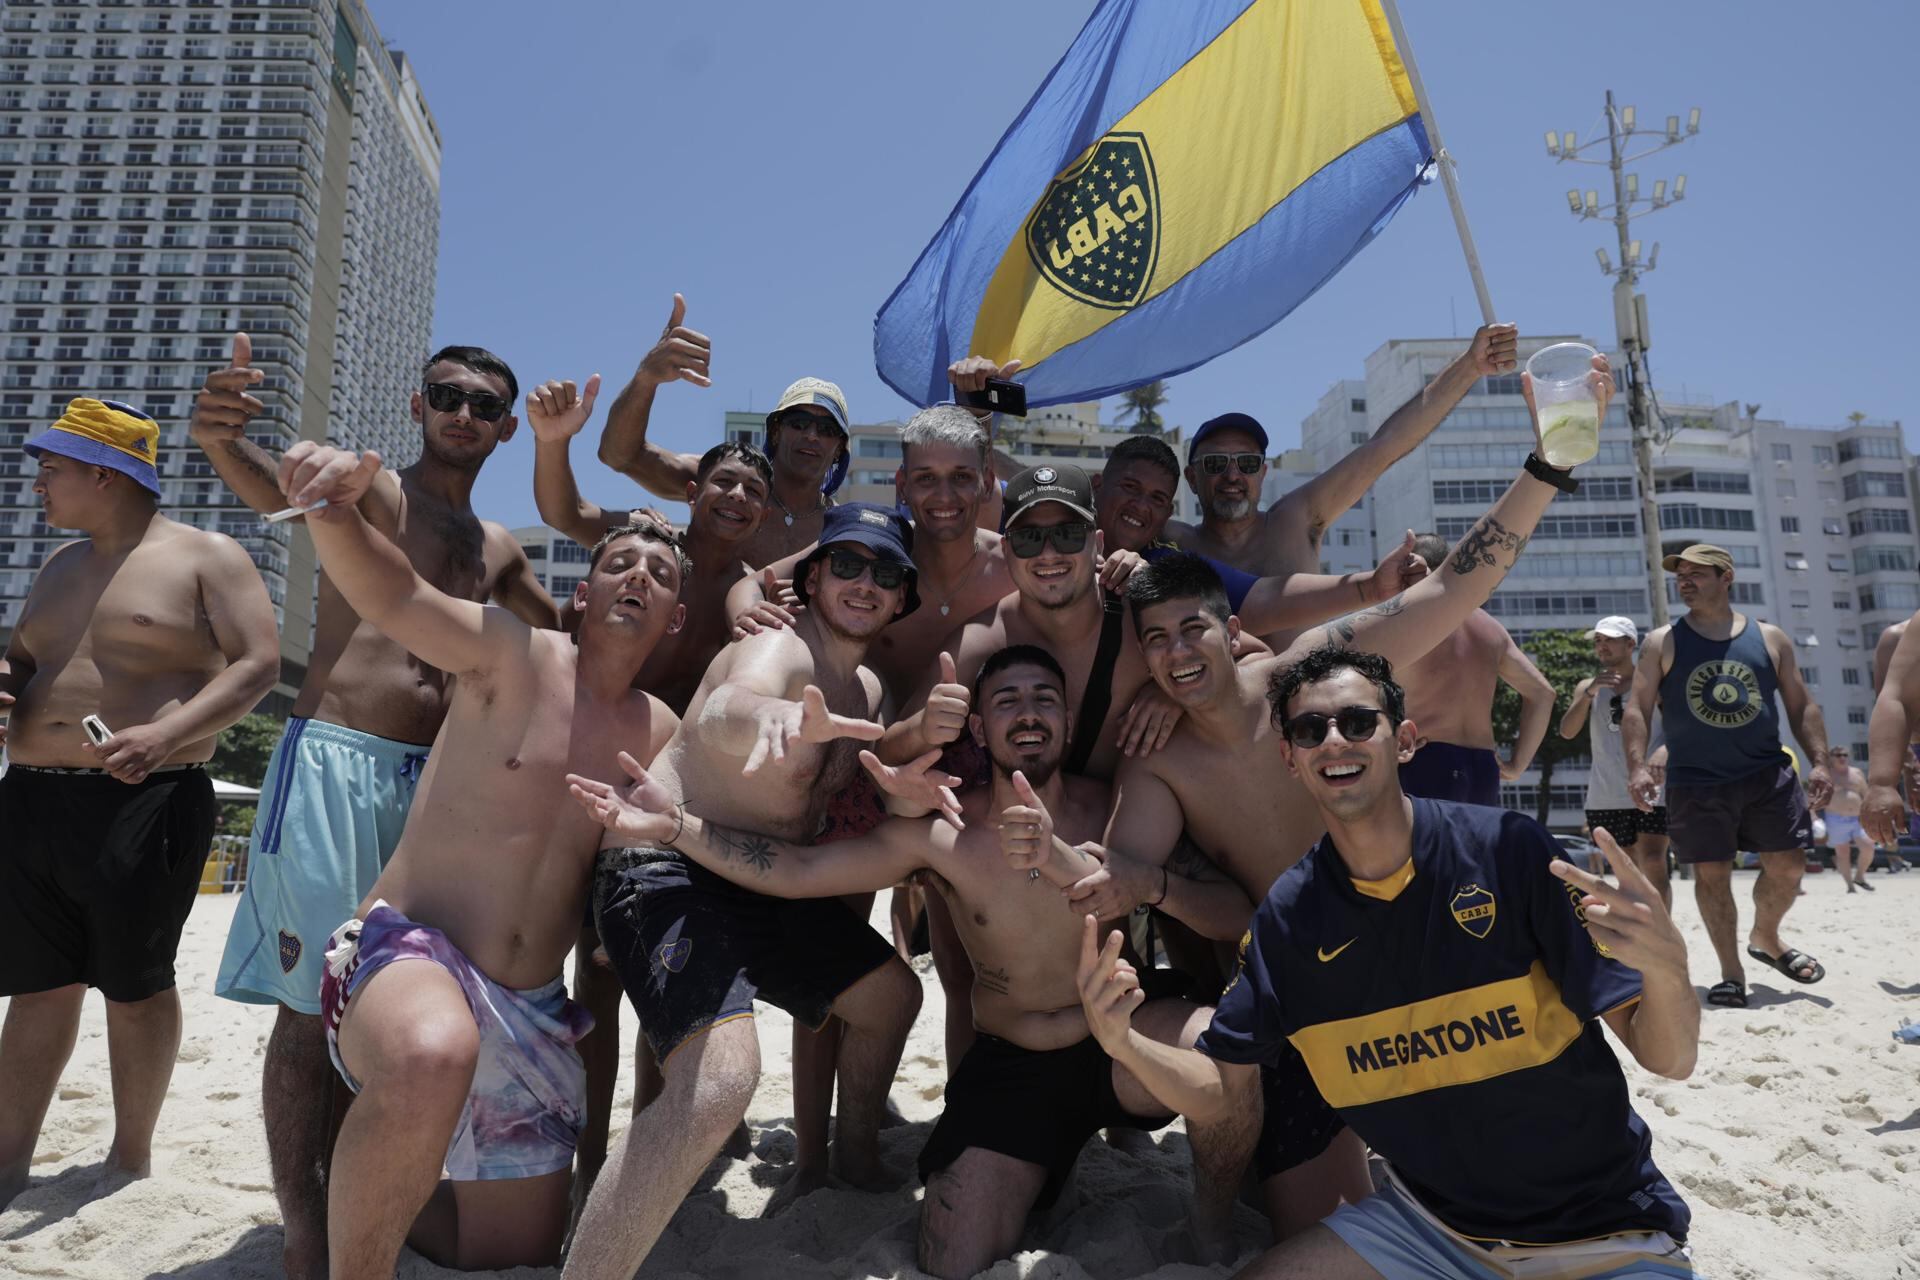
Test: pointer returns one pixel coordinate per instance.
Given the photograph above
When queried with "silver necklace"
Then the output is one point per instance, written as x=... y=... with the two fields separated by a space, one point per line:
x=966 y=572
x=787 y=515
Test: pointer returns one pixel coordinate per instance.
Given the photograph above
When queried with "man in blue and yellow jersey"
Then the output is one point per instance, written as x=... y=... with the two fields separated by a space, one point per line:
x=1443 y=974
x=1714 y=674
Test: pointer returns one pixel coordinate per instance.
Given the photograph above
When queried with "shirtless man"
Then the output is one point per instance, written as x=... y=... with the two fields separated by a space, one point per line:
x=1033 y=1087
x=806 y=440
x=166 y=634
x=785 y=708
x=1450 y=694
x=1222 y=780
x=1895 y=724
x=467 y=1062
x=1845 y=835
x=1226 y=475
x=344 y=772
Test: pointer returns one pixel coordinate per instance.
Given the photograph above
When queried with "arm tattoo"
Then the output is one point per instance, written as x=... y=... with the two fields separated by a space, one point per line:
x=755 y=851
x=1485 y=538
x=238 y=450
x=1345 y=627
x=994 y=980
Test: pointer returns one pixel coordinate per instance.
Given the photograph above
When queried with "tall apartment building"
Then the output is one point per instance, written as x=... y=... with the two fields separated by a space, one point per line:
x=172 y=171
x=1819 y=520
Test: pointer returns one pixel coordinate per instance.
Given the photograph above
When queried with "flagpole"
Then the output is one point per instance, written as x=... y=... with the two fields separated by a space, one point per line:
x=1442 y=159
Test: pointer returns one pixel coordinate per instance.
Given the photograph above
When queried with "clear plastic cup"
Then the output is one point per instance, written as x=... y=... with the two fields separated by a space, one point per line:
x=1568 y=406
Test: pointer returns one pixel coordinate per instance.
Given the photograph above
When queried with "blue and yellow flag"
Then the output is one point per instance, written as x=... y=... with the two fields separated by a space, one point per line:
x=1188 y=174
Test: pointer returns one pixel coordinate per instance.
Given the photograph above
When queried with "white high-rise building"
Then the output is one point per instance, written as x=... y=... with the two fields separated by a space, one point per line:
x=177 y=170
x=1819 y=521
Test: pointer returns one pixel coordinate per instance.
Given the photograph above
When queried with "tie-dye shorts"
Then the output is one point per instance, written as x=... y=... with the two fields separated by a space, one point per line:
x=523 y=1113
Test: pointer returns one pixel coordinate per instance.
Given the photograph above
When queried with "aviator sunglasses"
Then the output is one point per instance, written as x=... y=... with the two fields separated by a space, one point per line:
x=849 y=565
x=1356 y=724
x=1214 y=464
x=1068 y=539
x=447 y=398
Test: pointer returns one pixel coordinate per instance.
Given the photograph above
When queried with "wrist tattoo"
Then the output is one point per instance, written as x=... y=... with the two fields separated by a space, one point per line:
x=742 y=846
x=1481 y=543
x=1345 y=627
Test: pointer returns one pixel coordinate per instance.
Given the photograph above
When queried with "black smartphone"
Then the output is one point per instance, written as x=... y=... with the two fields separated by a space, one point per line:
x=999 y=395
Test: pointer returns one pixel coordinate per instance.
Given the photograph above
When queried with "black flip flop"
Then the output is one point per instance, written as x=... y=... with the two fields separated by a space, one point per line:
x=1788 y=962
x=1727 y=995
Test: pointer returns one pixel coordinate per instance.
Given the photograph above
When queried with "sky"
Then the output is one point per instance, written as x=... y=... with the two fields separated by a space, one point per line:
x=782 y=165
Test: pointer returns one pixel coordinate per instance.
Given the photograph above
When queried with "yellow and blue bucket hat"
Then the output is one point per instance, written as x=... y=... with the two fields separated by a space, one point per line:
x=105 y=433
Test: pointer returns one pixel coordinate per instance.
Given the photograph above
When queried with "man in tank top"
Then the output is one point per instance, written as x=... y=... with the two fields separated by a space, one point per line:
x=1714 y=673
x=1599 y=704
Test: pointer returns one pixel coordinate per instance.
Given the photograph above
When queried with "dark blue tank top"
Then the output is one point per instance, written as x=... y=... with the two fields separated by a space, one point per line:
x=1717 y=705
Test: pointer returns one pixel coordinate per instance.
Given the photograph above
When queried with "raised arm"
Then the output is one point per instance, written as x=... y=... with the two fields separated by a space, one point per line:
x=556 y=411
x=1803 y=713
x=517 y=589
x=1536 y=707
x=1148 y=864
x=240 y=615
x=1310 y=509
x=680 y=355
x=1288 y=601
x=1413 y=622
x=376 y=577
x=971 y=374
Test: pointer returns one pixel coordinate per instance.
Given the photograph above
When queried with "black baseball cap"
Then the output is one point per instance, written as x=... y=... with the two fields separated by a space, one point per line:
x=1227 y=422
x=1066 y=485
x=878 y=529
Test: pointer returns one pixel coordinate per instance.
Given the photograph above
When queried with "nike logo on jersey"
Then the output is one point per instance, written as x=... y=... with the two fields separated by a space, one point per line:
x=1326 y=955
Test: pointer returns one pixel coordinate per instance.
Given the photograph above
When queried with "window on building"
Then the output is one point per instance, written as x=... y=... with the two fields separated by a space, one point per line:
x=1829 y=491
x=1883 y=559
x=1823 y=454
x=1855 y=715
x=1800 y=599
x=1849 y=638
x=1900 y=597
x=1783 y=453
x=1689 y=516
x=1870 y=447
x=1783 y=488
x=1843 y=601
x=1790 y=524
x=1810 y=674
x=1879 y=520
x=1357 y=405
x=1797 y=561
x=1837 y=563
x=1874 y=484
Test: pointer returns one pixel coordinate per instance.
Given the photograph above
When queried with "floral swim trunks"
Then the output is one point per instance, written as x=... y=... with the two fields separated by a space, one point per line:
x=523 y=1113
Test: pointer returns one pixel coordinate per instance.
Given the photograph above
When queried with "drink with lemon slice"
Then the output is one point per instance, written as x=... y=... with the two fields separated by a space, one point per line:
x=1565 y=398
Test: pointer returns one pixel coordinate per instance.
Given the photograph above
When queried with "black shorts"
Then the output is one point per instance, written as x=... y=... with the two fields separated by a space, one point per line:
x=693 y=949
x=1764 y=812
x=1445 y=771
x=1040 y=1106
x=1627 y=825
x=1297 y=1124
x=97 y=877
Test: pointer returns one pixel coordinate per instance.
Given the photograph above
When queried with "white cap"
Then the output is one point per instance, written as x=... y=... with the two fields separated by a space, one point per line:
x=1616 y=626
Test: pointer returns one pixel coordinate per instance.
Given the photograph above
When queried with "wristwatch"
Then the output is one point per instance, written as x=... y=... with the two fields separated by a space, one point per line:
x=1559 y=477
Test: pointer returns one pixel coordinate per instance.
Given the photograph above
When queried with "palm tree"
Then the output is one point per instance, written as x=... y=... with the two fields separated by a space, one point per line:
x=1142 y=404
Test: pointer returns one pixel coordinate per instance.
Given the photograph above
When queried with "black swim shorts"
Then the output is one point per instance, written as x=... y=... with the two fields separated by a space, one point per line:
x=97 y=877
x=1040 y=1106
x=1626 y=826
x=693 y=949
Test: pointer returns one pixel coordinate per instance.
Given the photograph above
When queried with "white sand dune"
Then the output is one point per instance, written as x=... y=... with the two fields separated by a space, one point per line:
x=1797 y=1141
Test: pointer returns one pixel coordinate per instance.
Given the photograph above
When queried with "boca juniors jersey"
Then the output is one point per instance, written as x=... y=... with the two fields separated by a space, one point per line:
x=1449 y=1014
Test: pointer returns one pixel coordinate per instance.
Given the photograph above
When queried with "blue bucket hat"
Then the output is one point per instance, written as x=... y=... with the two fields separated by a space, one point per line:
x=874 y=527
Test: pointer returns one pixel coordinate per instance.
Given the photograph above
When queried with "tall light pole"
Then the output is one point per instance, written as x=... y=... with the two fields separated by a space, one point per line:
x=1630 y=308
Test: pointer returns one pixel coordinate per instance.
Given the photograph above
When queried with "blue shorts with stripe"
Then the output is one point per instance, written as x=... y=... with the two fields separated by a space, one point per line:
x=331 y=811
x=1397 y=1236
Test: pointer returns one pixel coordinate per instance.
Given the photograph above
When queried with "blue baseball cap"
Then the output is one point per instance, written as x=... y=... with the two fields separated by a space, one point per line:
x=1227 y=422
x=869 y=525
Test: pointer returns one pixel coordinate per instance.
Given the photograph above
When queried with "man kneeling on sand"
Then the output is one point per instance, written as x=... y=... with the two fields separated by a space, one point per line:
x=1034 y=1086
x=466 y=1062
x=1446 y=993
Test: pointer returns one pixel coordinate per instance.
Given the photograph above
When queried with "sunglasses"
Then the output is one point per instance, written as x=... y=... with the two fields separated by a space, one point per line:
x=1214 y=464
x=816 y=424
x=888 y=575
x=1068 y=539
x=447 y=398
x=1356 y=724
x=1613 y=716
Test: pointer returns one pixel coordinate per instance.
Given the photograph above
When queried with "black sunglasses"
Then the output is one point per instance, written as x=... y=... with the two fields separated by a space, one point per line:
x=447 y=398
x=1214 y=464
x=819 y=424
x=1068 y=539
x=849 y=565
x=1356 y=724
x=1613 y=716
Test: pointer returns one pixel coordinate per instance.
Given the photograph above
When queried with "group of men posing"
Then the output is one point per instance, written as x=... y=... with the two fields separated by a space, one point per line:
x=701 y=767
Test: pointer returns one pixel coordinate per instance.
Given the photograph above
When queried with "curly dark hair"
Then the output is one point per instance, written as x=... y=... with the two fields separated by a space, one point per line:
x=1328 y=660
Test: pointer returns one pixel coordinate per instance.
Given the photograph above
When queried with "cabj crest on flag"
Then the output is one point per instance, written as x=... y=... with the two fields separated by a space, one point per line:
x=1188 y=174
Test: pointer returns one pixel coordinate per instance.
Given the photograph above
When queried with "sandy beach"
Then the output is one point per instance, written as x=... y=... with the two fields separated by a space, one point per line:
x=1797 y=1142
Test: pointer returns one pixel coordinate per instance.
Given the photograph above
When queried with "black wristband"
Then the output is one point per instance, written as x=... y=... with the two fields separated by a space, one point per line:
x=1559 y=477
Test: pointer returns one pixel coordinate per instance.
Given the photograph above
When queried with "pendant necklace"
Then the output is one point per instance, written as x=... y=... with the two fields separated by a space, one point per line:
x=966 y=572
x=787 y=515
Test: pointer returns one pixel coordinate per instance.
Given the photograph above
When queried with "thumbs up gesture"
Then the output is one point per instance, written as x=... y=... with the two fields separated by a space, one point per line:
x=223 y=407
x=557 y=410
x=682 y=354
x=947 y=705
x=1026 y=828
x=1397 y=570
